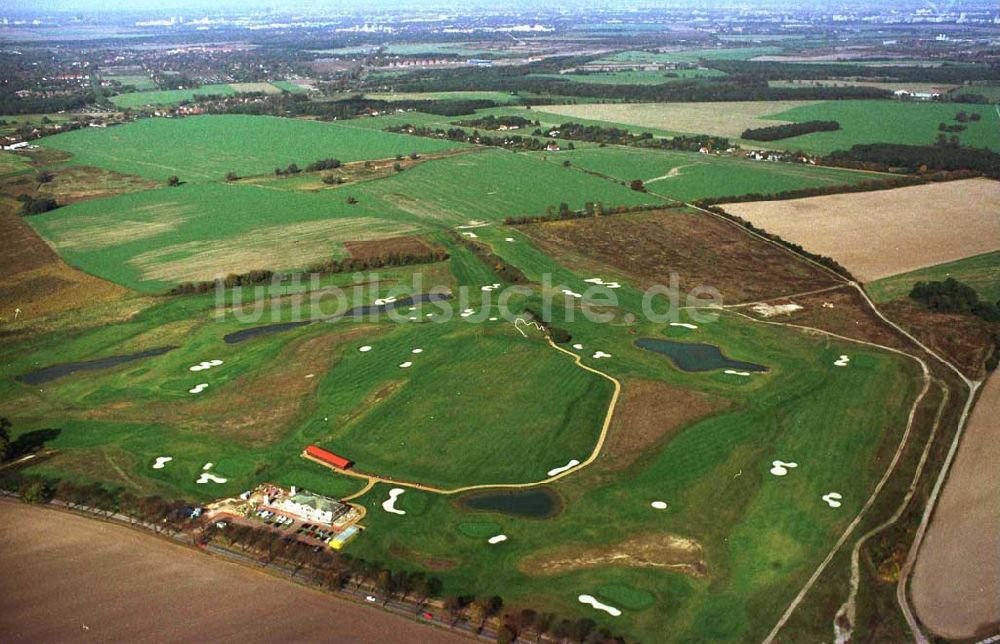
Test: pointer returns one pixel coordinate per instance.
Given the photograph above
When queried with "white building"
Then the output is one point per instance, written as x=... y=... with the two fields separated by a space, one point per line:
x=313 y=508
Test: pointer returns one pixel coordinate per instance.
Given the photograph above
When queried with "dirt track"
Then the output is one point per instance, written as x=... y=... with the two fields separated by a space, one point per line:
x=956 y=580
x=68 y=578
x=882 y=233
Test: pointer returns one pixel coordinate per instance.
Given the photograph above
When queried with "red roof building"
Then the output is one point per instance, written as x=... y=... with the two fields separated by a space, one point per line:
x=329 y=458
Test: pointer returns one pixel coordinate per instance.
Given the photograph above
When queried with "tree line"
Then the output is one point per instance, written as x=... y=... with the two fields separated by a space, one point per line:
x=952 y=296
x=788 y=130
x=862 y=186
x=918 y=158
x=505 y=271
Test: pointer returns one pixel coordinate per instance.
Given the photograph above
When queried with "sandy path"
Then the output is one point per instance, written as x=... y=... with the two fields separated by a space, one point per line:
x=69 y=578
x=956 y=580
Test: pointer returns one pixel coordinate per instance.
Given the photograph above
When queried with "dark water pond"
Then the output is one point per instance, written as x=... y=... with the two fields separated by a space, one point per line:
x=532 y=503
x=694 y=356
x=48 y=374
x=358 y=311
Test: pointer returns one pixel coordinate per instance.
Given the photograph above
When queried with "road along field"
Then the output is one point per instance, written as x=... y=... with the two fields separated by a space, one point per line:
x=878 y=234
x=956 y=580
x=688 y=176
x=205 y=148
x=53 y=555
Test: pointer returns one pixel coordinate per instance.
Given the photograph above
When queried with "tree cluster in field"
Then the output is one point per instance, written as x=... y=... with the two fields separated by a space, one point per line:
x=506 y=272
x=36 y=205
x=918 y=158
x=788 y=130
x=323 y=164
x=11 y=103
x=823 y=260
x=965 y=117
x=775 y=70
x=952 y=296
x=622 y=136
x=491 y=122
x=866 y=185
x=351 y=107
x=505 y=141
x=556 y=334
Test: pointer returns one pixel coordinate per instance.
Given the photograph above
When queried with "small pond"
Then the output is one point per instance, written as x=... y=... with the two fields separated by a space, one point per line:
x=694 y=356
x=531 y=503
x=47 y=374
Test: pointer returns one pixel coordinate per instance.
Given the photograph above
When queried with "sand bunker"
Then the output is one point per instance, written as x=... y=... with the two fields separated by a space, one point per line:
x=833 y=499
x=599 y=282
x=470 y=235
x=684 y=325
x=365 y=349
x=389 y=505
x=780 y=468
x=384 y=300
x=207 y=364
x=610 y=610
x=208 y=466
x=161 y=461
x=494 y=319
x=508 y=239
x=578 y=346
x=209 y=477
x=766 y=310
x=659 y=505
x=466 y=313
x=500 y=538
x=842 y=361
x=601 y=354
x=733 y=372
x=406 y=365
x=567 y=466
x=566 y=291
x=197 y=389
x=490 y=287
x=417 y=351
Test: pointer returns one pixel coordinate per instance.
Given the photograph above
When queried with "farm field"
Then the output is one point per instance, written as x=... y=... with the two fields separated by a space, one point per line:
x=879 y=234
x=691 y=55
x=689 y=176
x=981 y=272
x=169 y=96
x=141 y=82
x=205 y=148
x=635 y=77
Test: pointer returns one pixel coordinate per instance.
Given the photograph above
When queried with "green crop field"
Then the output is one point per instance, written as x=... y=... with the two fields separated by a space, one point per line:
x=169 y=96
x=201 y=148
x=912 y=123
x=981 y=272
x=141 y=82
x=689 y=175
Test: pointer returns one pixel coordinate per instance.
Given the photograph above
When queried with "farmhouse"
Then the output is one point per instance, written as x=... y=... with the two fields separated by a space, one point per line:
x=327 y=457
x=313 y=508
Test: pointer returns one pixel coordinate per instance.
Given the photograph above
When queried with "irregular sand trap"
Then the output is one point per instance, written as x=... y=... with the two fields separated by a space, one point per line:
x=733 y=372
x=161 y=461
x=470 y=235
x=384 y=300
x=567 y=466
x=494 y=319
x=490 y=287
x=310 y=375
x=389 y=505
x=601 y=354
x=208 y=476
x=197 y=389
x=610 y=610
x=206 y=364
x=578 y=346
x=208 y=466
x=429 y=315
x=841 y=361
x=508 y=239
x=684 y=325
x=833 y=499
x=412 y=308
x=766 y=310
x=413 y=317
x=406 y=365
x=365 y=349
x=215 y=363
x=599 y=282
x=500 y=538
x=780 y=468
x=659 y=505
x=566 y=291
x=417 y=351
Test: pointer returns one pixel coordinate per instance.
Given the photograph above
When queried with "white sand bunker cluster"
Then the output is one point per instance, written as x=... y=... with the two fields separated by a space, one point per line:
x=562 y=468
x=467 y=312
x=389 y=505
x=490 y=287
x=590 y=599
x=600 y=354
x=208 y=477
x=161 y=462
x=780 y=468
x=206 y=364
x=833 y=499
x=842 y=361
x=500 y=538
x=599 y=282
x=765 y=310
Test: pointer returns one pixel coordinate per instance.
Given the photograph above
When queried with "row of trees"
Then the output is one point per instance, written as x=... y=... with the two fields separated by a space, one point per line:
x=788 y=130
x=918 y=158
x=491 y=122
x=862 y=186
x=508 y=141
x=506 y=272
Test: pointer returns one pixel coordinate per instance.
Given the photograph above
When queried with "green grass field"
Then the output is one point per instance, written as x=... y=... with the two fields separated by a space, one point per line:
x=981 y=272
x=912 y=123
x=141 y=82
x=169 y=96
x=205 y=148
x=688 y=175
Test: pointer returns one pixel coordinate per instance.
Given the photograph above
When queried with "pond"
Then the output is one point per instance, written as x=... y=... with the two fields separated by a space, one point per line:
x=47 y=374
x=694 y=356
x=531 y=503
x=358 y=311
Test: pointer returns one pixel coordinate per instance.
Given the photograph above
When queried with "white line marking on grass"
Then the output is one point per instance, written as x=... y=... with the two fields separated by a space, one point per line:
x=389 y=505
x=161 y=461
x=659 y=505
x=500 y=538
x=567 y=466
x=780 y=468
x=833 y=499
x=589 y=599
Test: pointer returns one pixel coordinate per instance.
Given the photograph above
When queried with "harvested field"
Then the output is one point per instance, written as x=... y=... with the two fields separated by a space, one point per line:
x=877 y=234
x=650 y=550
x=648 y=413
x=962 y=543
x=699 y=248
x=725 y=119
x=385 y=247
x=52 y=555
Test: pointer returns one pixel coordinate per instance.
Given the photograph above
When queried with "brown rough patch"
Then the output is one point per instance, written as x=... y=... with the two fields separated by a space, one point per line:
x=383 y=247
x=963 y=541
x=651 y=550
x=882 y=233
x=52 y=555
x=648 y=413
x=372 y=400
x=702 y=249
x=427 y=561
